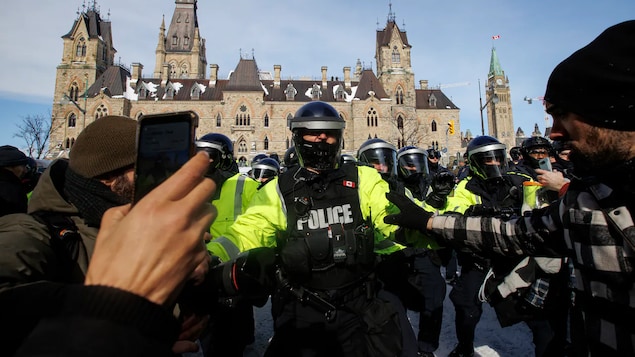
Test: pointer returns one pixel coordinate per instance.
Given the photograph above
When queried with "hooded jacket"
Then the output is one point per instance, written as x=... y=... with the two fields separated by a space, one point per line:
x=26 y=254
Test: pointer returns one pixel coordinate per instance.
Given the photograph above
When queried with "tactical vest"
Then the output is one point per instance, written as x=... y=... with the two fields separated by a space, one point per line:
x=328 y=245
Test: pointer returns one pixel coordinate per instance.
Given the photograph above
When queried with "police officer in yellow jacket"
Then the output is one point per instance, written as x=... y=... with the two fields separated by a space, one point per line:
x=491 y=190
x=232 y=320
x=325 y=223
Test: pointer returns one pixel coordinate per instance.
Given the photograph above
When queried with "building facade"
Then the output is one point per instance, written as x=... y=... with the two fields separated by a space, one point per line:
x=252 y=107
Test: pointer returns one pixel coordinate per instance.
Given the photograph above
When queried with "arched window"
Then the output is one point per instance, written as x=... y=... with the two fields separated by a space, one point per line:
x=242 y=146
x=101 y=112
x=434 y=125
x=399 y=96
x=80 y=49
x=172 y=70
x=290 y=92
x=195 y=93
x=266 y=120
x=371 y=117
x=399 y=122
x=218 y=120
x=74 y=91
x=395 y=55
x=266 y=143
x=72 y=120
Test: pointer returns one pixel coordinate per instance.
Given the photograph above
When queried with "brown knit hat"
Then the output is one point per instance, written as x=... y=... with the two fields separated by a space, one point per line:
x=598 y=81
x=106 y=145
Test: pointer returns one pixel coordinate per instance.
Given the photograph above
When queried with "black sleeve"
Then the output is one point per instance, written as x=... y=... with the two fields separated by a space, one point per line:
x=103 y=321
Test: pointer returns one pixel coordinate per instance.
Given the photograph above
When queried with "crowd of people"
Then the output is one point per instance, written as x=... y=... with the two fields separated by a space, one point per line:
x=342 y=245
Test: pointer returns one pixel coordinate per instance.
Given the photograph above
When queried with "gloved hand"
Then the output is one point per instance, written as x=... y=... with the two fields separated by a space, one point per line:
x=250 y=274
x=411 y=215
x=442 y=184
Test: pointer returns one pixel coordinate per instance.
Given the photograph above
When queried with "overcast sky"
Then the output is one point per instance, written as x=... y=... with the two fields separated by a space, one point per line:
x=451 y=43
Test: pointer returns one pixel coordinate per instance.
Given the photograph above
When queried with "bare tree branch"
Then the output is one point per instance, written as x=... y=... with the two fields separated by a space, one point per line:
x=36 y=131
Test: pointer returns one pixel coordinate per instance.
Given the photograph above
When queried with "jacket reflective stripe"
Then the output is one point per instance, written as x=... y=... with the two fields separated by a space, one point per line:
x=230 y=248
x=238 y=194
x=284 y=206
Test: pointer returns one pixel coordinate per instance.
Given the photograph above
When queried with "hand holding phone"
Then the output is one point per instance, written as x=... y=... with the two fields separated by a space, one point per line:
x=164 y=143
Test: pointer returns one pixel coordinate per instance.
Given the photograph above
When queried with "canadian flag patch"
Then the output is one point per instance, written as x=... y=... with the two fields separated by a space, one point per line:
x=350 y=184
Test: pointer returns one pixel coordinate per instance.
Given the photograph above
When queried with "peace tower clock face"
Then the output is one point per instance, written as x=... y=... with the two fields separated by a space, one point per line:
x=499 y=82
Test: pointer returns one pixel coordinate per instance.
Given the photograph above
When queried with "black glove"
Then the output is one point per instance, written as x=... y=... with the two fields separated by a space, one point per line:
x=250 y=274
x=442 y=184
x=411 y=215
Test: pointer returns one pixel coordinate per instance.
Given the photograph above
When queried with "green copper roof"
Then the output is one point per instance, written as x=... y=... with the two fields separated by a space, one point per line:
x=494 y=66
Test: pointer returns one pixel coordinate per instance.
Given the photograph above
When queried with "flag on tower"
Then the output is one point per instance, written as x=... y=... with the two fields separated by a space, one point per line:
x=496 y=37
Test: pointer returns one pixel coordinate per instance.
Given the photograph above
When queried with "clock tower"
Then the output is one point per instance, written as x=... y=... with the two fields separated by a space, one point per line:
x=500 y=120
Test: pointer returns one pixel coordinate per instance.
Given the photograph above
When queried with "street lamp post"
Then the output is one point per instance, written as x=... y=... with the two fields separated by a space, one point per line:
x=493 y=98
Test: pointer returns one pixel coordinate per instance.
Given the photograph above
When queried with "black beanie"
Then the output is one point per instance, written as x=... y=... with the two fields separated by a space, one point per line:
x=11 y=156
x=597 y=82
x=106 y=145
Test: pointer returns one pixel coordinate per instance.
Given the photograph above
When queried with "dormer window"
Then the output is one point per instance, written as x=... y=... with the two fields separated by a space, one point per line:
x=315 y=92
x=169 y=92
x=290 y=92
x=340 y=94
x=195 y=93
x=143 y=92
x=175 y=40
x=186 y=41
x=432 y=101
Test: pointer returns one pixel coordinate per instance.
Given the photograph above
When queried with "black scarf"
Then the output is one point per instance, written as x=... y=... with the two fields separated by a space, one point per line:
x=91 y=197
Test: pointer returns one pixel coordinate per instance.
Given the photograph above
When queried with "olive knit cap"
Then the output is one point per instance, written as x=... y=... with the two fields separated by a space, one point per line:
x=597 y=81
x=106 y=145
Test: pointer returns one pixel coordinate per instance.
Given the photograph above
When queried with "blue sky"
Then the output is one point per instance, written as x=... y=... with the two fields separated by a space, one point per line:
x=451 y=43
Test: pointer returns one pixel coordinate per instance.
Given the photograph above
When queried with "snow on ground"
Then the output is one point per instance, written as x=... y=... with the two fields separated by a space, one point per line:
x=491 y=340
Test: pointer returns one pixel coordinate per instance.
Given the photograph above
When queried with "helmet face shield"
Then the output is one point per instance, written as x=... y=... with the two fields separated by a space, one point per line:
x=265 y=169
x=413 y=161
x=217 y=159
x=319 y=155
x=489 y=162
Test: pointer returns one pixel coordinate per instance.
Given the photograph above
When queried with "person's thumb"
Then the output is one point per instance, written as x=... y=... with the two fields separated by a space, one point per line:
x=391 y=219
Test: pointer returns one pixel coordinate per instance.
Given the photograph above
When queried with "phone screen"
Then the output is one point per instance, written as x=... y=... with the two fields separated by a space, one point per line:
x=164 y=144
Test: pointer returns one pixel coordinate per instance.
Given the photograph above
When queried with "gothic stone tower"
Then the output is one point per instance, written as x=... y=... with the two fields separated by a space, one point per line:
x=500 y=120
x=181 y=52
x=88 y=52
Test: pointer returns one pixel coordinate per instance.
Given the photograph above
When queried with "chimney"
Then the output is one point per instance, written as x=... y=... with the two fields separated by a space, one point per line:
x=137 y=68
x=165 y=71
x=324 y=81
x=423 y=83
x=213 y=75
x=276 y=75
x=347 y=77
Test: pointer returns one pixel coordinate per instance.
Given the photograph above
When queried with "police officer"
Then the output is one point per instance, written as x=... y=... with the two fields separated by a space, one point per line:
x=426 y=278
x=325 y=223
x=232 y=320
x=490 y=191
x=380 y=155
x=264 y=170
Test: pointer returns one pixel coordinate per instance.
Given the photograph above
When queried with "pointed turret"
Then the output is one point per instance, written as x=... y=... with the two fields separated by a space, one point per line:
x=495 y=68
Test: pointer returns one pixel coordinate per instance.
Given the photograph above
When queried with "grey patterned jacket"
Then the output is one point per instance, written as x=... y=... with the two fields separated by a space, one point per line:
x=577 y=226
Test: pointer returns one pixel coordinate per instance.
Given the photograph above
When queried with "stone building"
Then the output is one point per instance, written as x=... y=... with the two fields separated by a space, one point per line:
x=253 y=106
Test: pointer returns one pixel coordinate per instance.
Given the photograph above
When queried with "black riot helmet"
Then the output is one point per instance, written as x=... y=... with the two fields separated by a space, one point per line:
x=380 y=154
x=412 y=160
x=316 y=118
x=265 y=169
x=535 y=146
x=514 y=153
x=487 y=157
x=347 y=159
x=220 y=150
x=257 y=158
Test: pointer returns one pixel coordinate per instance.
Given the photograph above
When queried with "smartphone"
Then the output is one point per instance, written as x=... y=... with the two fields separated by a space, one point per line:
x=545 y=164
x=164 y=143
